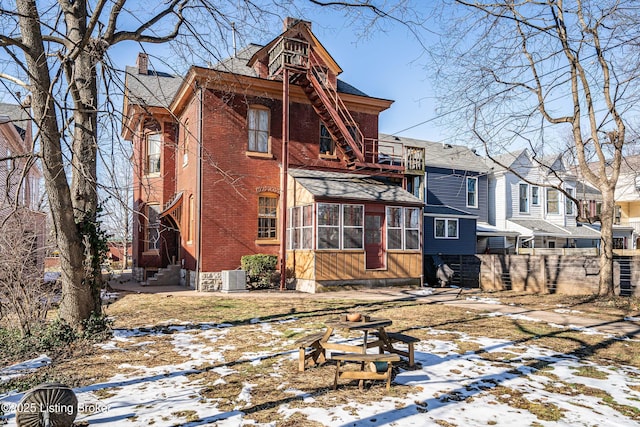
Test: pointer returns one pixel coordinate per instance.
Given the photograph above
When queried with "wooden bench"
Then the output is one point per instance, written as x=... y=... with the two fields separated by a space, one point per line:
x=405 y=339
x=369 y=369
x=310 y=351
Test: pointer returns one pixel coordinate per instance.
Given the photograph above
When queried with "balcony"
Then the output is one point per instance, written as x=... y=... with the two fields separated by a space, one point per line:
x=398 y=154
x=288 y=53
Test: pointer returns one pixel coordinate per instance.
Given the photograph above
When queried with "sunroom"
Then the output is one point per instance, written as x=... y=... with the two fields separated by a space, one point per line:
x=347 y=229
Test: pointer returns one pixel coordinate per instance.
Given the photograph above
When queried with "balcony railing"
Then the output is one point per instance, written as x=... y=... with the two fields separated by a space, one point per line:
x=288 y=53
x=398 y=154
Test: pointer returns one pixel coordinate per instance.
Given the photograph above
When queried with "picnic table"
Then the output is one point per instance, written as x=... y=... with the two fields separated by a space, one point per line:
x=313 y=347
x=366 y=325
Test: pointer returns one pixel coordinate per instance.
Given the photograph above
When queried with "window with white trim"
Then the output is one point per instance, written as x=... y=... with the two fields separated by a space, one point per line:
x=300 y=227
x=394 y=227
x=258 y=125
x=153 y=153
x=446 y=228
x=340 y=226
x=523 y=198
x=569 y=202
x=535 y=195
x=553 y=201
x=472 y=192
x=352 y=226
x=403 y=228
x=328 y=226
x=412 y=228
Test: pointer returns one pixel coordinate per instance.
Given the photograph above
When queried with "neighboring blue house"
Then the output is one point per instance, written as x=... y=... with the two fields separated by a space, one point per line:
x=455 y=191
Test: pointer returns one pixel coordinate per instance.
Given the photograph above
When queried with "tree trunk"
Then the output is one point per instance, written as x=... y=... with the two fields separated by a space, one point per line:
x=82 y=80
x=78 y=296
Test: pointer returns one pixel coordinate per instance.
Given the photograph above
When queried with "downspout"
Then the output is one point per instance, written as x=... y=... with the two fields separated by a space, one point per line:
x=283 y=180
x=199 y=190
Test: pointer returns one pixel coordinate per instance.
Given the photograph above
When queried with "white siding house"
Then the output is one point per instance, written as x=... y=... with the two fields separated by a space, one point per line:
x=526 y=202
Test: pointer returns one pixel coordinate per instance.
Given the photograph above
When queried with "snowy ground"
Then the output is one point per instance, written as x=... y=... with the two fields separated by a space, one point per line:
x=459 y=389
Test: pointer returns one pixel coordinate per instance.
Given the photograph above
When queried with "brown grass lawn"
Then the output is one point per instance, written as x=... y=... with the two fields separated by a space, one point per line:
x=85 y=363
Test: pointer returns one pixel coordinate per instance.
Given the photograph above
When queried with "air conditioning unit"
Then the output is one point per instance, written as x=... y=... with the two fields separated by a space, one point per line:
x=234 y=281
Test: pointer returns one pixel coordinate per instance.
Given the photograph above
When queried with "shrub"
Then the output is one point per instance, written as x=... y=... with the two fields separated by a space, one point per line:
x=54 y=338
x=96 y=327
x=261 y=269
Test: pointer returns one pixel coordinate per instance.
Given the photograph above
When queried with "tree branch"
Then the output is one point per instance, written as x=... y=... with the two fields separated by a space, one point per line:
x=15 y=80
x=138 y=35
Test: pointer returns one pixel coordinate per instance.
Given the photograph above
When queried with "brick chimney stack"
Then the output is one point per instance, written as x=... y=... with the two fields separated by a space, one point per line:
x=143 y=63
x=290 y=22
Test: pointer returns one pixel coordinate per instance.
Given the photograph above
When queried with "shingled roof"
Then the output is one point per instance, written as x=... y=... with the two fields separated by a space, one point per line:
x=238 y=65
x=157 y=89
x=439 y=155
x=153 y=89
x=17 y=114
x=351 y=186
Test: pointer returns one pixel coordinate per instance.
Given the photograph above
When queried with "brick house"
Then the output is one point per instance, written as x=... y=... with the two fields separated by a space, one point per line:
x=208 y=152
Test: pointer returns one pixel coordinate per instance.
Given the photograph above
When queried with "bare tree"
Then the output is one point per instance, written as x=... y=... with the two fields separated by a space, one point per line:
x=58 y=50
x=24 y=297
x=525 y=71
x=117 y=195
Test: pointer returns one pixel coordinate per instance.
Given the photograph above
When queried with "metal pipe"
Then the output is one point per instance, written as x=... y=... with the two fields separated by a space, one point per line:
x=199 y=190
x=283 y=178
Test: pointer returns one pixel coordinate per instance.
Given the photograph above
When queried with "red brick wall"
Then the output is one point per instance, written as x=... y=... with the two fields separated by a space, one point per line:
x=150 y=189
x=233 y=180
x=186 y=181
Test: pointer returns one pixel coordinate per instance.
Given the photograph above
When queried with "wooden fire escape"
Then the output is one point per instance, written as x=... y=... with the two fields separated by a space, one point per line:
x=309 y=71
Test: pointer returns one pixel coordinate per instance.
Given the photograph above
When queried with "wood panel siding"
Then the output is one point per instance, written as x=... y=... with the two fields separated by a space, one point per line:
x=302 y=264
x=350 y=265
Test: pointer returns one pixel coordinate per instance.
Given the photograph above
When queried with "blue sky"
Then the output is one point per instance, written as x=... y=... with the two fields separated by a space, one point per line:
x=387 y=64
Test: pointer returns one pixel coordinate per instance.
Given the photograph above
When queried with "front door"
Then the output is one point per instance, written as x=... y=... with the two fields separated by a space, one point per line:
x=374 y=240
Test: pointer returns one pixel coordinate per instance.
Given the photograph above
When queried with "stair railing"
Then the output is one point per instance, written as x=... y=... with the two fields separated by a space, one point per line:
x=339 y=112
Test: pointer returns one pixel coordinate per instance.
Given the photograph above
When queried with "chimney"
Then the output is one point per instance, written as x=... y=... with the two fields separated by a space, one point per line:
x=290 y=22
x=143 y=63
